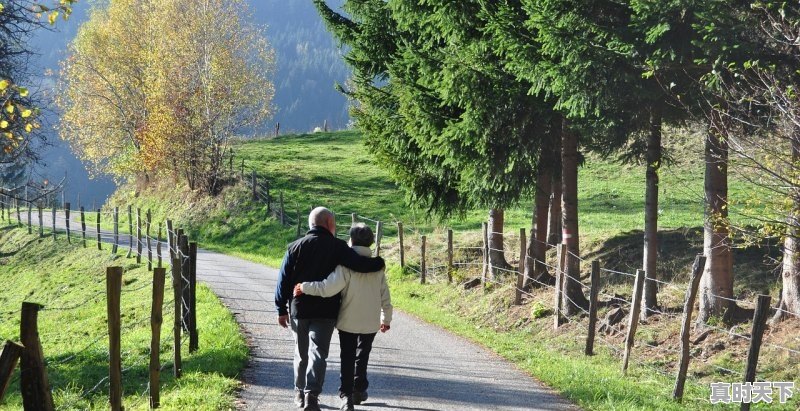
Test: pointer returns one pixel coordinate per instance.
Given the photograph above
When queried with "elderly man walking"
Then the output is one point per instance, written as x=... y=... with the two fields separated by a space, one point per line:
x=313 y=258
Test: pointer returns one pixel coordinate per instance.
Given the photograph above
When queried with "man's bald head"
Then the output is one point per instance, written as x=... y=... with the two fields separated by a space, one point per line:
x=322 y=217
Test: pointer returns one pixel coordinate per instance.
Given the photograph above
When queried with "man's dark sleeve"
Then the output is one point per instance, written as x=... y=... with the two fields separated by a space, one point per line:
x=352 y=260
x=283 y=290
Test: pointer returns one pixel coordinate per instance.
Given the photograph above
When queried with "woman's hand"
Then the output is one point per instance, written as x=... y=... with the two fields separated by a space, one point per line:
x=385 y=327
x=298 y=290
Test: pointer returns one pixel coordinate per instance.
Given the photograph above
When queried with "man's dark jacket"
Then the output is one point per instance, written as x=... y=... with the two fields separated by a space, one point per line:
x=313 y=258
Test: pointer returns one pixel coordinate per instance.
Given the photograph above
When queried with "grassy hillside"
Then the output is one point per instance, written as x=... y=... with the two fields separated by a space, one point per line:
x=336 y=170
x=70 y=282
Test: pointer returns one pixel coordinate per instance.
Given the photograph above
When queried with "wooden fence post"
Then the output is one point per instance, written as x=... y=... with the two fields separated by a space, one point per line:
x=8 y=362
x=353 y=218
x=99 y=238
x=138 y=235
x=633 y=320
x=450 y=266
x=41 y=224
x=170 y=240
x=176 y=288
x=688 y=307
x=756 y=335
x=402 y=246
x=158 y=246
x=148 y=216
x=594 y=291
x=83 y=227
x=156 y=319
x=378 y=235
x=66 y=217
x=422 y=268
x=521 y=267
x=485 y=269
x=115 y=247
x=19 y=218
x=130 y=231
x=113 y=296
x=254 y=182
x=558 y=300
x=54 y=221
x=186 y=294
x=30 y=226
x=283 y=211
x=269 y=199
x=34 y=383
x=193 y=337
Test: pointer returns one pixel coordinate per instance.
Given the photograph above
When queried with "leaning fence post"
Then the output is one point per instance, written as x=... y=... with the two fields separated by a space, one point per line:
x=378 y=235
x=130 y=231
x=113 y=296
x=176 y=288
x=402 y=247
x=756 y=335
x=83 y=227
x=19 y=218
x=8 y=362
x=99 y=238
x=138 y=235
x=149 y=243
x=633 y=320
x=521 y=267
x=557 y=296
x=30 y=226
x=116 y=231
x=485 y=268
x=186 y=295
x=156 y=319
x=688 y=306
x=422 y=268
x=34 y=383
x=269 y=199
x=193 y=337
x=449 y=255
x=170 y=240
x=66 y=215
x=593 y=293
x=54 y=222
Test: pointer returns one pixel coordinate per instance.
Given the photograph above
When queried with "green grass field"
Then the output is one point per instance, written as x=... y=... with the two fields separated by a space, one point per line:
x=70 y=282
x=336 y=170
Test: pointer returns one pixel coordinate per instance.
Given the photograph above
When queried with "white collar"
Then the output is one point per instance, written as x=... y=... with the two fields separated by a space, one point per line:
x=361 y=250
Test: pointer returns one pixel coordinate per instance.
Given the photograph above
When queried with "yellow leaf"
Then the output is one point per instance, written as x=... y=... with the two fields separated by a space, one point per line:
x=3 y=124
x=4 y=84
x=2 y=7
x=23 y=92
x=28 y=127
x=26 y=113
x=10 y=109
x=9 y=135
x=52 y=17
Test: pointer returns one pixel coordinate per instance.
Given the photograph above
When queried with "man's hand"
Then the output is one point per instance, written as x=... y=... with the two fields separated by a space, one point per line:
x=385 y=327
x=283 y=320
x=298 y=290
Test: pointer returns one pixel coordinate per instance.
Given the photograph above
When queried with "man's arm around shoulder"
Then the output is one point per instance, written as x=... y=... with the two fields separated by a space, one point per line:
x=350 y=259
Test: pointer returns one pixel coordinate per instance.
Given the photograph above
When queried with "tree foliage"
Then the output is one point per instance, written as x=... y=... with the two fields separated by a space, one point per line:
x=162 y=86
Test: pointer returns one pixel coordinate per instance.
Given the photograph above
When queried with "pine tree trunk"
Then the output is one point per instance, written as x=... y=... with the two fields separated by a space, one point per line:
x=574 y=298
x=497 y=258
x=650 y=257
x=554 y=225
x=790 y=275
x=537 y=246
x=717 y=280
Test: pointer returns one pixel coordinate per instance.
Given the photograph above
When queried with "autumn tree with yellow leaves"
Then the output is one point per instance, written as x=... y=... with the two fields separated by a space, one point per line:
x=161 y=86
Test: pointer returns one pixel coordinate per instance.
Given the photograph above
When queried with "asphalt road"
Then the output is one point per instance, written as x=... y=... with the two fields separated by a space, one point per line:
x=414 y=366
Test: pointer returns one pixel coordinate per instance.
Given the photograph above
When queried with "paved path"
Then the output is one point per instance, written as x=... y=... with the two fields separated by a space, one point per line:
x=414 y=366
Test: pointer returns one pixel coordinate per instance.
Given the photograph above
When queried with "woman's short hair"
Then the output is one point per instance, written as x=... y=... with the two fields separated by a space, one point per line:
x=361 y=234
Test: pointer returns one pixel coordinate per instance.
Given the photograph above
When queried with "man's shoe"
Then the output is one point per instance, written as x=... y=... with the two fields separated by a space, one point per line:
x=359 y=397
x=312 y=403
x=347 y=404
x=299 y=399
